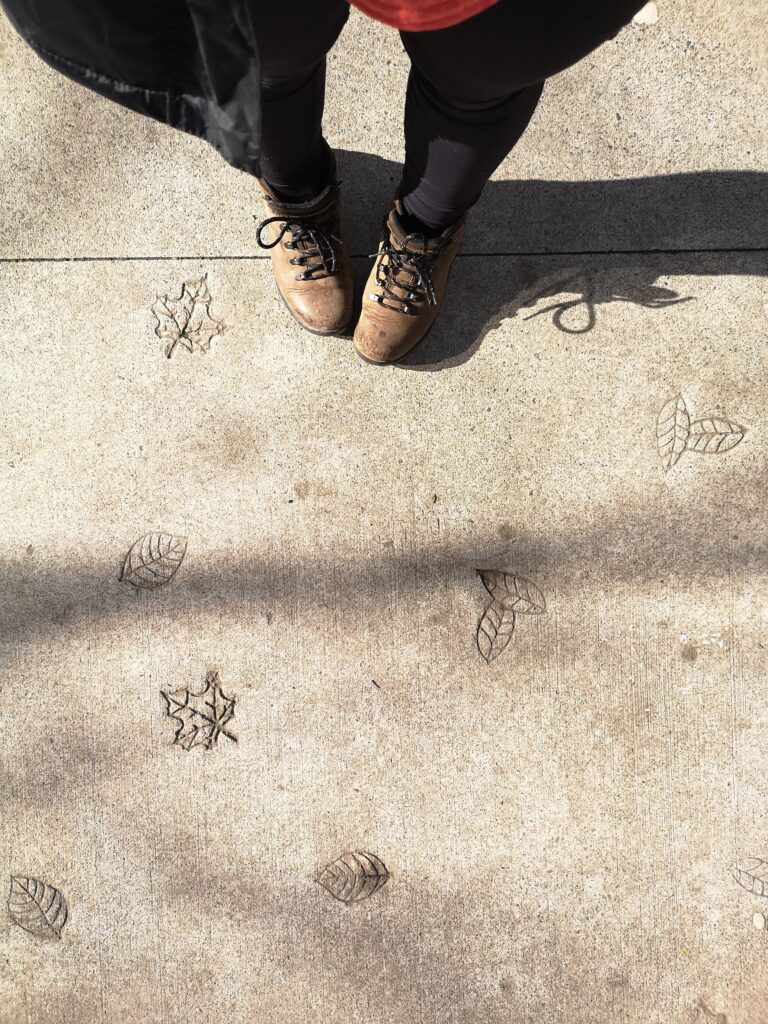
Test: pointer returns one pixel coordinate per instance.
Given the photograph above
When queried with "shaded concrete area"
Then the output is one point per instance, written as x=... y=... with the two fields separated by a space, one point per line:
x=572 y=825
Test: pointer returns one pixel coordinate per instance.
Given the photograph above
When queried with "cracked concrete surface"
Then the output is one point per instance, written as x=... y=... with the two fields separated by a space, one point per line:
x=570 y=830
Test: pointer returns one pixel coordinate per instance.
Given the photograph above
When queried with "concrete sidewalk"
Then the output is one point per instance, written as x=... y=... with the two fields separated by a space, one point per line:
x=482 y=636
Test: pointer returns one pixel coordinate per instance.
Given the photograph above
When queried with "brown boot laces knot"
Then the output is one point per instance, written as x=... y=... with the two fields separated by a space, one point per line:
x=418 y=265
x=314 y=240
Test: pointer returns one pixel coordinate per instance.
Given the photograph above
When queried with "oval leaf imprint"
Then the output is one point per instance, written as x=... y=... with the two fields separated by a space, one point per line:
x=672 y=430
x=36 y=907
x=516 y=593
x=495 y=630
x=753 y=876
x=153 y=560
x=714 y=435
x=354 y=876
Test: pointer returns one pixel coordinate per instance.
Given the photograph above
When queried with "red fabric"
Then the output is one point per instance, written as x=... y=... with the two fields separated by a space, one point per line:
x=422 y=15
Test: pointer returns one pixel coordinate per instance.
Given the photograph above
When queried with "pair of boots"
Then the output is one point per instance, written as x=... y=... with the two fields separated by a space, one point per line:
x=313 y=272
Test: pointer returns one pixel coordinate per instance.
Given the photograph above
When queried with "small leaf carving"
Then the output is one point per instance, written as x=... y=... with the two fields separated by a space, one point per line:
x=512 y=594
x=186 y=321
x=672 y=430
x=354 y=876
x=714 y=435
x=516 y=593
x=704 y=1013
x=495 y=630
x=753 y=876
x=153 y=560
x=36 y=907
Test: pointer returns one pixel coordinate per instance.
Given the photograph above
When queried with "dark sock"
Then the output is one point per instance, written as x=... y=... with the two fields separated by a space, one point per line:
x=411 y=223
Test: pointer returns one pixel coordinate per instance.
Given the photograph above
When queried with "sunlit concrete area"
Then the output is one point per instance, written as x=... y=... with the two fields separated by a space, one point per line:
x=433 y=692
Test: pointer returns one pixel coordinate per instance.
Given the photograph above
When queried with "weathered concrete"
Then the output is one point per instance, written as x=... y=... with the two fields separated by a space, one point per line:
x=569 y=828
x=558 y=824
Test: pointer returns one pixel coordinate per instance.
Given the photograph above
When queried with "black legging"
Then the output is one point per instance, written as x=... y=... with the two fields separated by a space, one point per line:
x=472 y=89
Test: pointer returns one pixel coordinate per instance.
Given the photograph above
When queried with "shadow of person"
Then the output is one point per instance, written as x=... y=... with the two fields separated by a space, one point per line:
x=582 y=244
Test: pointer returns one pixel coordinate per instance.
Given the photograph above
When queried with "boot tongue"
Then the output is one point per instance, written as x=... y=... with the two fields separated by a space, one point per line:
x=418 y=243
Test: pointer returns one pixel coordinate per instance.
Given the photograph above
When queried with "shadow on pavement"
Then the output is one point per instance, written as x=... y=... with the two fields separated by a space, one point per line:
x=583 y=244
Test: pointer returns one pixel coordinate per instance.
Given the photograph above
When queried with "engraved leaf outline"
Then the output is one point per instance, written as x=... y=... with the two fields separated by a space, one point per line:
x=714 y=435
x=495 y=630
x=672 y=429
x=516 y=593
x=37 y=907
x=354 y=876
x=153 y=560
x=752 y=876
x=200 y=721
x=187 y=320
x=702 y=1010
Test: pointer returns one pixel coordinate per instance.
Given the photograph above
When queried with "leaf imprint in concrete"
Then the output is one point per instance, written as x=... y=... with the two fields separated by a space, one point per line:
x=36 y=907
x=354 y=876
x=201 y=717
x=512 y=595
x=187 y=321
x=153 y=560
x=676 y=433
x=752 y=876
x=703 y=1013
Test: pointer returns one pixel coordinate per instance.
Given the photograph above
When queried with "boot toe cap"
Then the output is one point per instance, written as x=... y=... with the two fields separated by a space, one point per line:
x=330 y=316
x=377 y=345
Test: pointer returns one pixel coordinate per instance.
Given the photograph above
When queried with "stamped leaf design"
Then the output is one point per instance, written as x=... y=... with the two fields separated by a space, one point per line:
x=153 y=560
x=672 y=430
x=36 y=907
x=516 y=593
x=714 y=435
x=495 y=630
x=201 y=717
x=512 y=595
x=703 y=1013
x=187 y=321
x=753 y=876
x=354 y=876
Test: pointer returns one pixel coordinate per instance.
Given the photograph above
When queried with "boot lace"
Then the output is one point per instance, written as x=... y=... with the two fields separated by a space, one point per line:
x=313 y=239
x=418 y=267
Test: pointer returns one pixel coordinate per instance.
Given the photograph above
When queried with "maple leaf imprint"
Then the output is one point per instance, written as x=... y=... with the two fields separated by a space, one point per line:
x=201 y=717
x=187 y=320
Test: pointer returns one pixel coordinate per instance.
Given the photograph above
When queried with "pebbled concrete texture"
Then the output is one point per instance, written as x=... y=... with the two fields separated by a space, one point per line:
x=559 y=823
x=572 y=830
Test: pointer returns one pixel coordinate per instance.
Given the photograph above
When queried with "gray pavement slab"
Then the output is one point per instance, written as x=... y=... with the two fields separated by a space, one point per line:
x=569 y=826
x=558 y=823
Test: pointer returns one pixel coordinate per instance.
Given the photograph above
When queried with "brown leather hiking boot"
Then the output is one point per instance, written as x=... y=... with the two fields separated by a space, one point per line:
x=310 y=258
x=405 y=289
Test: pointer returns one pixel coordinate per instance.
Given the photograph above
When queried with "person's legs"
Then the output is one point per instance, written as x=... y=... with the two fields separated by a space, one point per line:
x=473 y=88
x=295 y=157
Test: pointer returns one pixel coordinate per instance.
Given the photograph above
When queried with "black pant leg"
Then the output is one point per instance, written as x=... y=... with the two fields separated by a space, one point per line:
x=473 y=89
x=293 y=40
